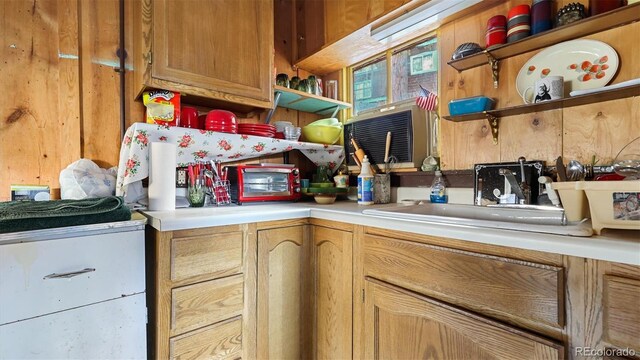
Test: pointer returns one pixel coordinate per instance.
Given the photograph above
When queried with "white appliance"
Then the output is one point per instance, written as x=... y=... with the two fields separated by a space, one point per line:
x=73 y=293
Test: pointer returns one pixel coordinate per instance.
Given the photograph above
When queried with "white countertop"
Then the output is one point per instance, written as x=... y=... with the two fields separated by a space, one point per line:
x=613 y=245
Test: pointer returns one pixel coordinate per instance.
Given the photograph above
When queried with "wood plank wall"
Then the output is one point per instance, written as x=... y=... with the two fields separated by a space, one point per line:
x=600 y=129
x=61 y=97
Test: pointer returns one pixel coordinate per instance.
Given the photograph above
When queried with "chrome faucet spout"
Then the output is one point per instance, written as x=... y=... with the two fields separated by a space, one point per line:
x=515 y=187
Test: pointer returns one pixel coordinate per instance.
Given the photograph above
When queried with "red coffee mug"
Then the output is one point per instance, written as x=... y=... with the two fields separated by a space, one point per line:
x=189 y=118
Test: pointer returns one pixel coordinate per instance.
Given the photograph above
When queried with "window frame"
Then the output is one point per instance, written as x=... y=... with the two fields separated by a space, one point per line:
x=388 y=54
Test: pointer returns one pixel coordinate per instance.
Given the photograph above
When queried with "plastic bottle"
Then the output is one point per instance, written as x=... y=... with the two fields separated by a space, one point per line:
x=365 y=183
x=438 y=189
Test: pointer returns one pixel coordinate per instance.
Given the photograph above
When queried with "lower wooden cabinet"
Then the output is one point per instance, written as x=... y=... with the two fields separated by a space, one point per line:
x=403 y=325
x=202 y=292
x=304 y=293
x=285 y=328
x=332 y=260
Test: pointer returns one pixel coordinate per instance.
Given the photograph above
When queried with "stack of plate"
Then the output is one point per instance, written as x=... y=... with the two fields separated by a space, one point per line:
x=264 y=130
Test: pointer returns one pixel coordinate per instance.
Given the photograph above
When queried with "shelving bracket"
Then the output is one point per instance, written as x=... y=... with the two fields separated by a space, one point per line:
x=493 y=62
x=494 y=124
x=276 y=100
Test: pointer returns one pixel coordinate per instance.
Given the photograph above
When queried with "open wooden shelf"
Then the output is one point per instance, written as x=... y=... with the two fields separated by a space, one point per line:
x=302 y=101
x=605 y=95
x=591 y=25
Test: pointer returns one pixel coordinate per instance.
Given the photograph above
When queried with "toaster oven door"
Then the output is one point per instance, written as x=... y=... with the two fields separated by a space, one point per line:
x=265 y=183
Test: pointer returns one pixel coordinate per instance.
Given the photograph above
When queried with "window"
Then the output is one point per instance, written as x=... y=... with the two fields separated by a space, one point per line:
x=370 y=85
x=411 y=67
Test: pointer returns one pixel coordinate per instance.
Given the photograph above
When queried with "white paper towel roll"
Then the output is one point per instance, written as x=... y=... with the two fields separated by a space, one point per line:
x=162 y=176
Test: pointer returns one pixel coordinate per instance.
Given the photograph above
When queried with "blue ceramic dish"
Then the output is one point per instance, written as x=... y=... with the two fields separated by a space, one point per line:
x=470 y=105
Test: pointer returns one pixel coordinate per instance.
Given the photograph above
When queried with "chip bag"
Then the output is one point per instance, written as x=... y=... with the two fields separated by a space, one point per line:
x=163 y=107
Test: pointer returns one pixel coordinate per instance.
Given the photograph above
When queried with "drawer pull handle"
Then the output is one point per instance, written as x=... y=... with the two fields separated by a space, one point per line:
x=69 y=274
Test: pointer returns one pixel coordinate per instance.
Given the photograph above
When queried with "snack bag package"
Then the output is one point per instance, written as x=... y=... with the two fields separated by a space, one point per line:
x=163 y=107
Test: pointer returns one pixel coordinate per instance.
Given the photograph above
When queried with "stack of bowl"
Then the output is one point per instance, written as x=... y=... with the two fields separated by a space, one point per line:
x=221 y=121
x=496 y=31
x=518 y=25
x=324 y=131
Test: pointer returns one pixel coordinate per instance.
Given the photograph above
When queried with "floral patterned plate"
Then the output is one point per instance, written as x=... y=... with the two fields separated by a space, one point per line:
x=584 y=64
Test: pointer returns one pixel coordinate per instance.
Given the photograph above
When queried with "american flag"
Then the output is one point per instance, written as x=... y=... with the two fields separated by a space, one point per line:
x=428 y=100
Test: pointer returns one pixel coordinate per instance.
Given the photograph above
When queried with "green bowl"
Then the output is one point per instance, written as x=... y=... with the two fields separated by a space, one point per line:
x=322 y=134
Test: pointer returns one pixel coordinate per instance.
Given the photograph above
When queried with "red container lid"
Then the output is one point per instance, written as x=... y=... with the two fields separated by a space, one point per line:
x=497 y=21
x=519 y=10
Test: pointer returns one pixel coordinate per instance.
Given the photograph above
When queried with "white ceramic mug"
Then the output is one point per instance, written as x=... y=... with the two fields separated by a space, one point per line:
x=548 y=88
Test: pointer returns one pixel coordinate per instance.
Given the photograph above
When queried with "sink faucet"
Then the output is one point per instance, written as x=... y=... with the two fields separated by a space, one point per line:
x=522 y=190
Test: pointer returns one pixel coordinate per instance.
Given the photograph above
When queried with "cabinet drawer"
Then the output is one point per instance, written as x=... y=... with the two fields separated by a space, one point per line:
x=202 y=304
x=206 y=256
x=42 y=277
x=219 y=341
x=621 y=315
x=489 y=284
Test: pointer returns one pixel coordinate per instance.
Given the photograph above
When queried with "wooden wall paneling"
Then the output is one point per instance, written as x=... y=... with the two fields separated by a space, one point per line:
x=308 y=36
x=284 y=36
x=69 y=82
x=448 y=78
x=473 y=140
x=36 y=139
x=600 y=129
x=100 y=82
x=135 y=110
x=536 y=136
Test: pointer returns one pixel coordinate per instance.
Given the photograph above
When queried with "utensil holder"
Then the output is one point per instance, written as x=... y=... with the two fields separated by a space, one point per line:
x=382 y=189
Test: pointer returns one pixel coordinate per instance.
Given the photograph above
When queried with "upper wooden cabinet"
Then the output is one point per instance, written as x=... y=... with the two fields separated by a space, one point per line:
x=320 y=23
x=215 y=51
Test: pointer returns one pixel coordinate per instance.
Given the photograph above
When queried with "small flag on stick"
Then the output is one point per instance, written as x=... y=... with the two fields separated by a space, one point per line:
x=428 y=100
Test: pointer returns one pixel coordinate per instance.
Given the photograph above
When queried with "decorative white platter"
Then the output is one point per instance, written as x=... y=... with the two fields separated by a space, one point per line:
x=584 y=64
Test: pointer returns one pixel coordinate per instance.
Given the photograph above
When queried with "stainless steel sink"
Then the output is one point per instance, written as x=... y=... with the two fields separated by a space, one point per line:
x=543 y=219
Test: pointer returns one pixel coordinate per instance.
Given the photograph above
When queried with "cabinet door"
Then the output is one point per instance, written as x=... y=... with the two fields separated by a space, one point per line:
x=404 y=325
x=333 y=297
x=284 y=293
x=220 y=49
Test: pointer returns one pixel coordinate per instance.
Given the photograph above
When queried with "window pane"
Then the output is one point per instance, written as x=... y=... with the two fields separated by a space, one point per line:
x=413 y=67
x=370 y=86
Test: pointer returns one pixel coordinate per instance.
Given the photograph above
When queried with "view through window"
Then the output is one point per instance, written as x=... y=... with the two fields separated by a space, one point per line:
x=412 y=67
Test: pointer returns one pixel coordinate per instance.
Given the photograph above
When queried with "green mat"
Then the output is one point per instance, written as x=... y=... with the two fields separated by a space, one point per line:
x=35 y=215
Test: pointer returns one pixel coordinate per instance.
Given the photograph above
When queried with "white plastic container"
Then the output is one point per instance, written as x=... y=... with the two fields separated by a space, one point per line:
x=365 y=183
x=574 y=200
x=613 y=204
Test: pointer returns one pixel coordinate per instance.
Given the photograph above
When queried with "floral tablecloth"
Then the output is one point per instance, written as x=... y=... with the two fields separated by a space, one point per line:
x=193 y=145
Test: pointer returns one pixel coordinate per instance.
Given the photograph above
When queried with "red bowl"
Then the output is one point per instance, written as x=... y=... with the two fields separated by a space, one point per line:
x=222 y=116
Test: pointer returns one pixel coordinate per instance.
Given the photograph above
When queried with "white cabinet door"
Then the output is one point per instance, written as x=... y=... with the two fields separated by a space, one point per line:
x=42 y=277
x=113 y=329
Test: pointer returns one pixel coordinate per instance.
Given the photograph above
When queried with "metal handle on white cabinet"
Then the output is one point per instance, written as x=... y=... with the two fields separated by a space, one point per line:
x=68 y=275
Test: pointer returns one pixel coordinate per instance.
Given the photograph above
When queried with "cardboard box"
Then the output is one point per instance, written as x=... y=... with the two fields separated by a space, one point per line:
x=30 y=192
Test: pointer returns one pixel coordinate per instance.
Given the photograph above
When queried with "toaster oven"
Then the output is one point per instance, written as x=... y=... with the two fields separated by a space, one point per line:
x=263 y=182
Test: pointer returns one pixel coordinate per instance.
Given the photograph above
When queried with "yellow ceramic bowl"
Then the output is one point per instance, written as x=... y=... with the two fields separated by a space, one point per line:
x=322 y=134
x=327 y=121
